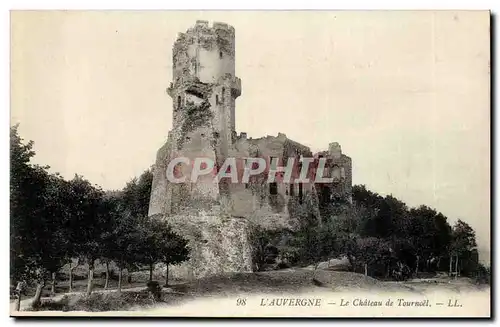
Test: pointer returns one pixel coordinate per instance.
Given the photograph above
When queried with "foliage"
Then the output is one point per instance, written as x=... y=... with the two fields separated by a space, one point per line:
x=99 y=302
x=54 y=221
x=156 y=242
x=383 y=235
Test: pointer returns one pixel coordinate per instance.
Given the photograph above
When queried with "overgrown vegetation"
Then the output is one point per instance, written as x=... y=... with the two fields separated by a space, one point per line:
x=99 y=302
x=195 y=116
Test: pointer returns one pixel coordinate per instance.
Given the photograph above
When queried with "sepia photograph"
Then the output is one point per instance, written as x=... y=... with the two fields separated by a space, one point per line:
x=250 y=164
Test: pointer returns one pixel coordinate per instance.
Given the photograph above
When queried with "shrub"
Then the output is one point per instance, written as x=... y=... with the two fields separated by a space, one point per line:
x=155 y=289
x=483 y=275
x=112 y=301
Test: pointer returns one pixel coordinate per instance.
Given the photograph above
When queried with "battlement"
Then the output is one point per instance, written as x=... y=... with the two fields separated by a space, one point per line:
x=334 y=150
x=218 y=36
x=204 y=24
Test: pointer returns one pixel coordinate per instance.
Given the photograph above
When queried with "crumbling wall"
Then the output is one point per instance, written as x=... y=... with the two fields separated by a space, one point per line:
x=254 y=199
x=159 y=199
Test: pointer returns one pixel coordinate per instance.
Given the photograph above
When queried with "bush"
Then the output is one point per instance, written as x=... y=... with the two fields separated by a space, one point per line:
x=51 y=305
x=155 y=289
x=99 y=302
x=483 y=275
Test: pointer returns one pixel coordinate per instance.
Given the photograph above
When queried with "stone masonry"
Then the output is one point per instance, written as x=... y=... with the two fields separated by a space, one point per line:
x=217 y=218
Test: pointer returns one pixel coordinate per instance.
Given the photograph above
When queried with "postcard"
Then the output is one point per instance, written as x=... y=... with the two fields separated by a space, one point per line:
x=250 y=164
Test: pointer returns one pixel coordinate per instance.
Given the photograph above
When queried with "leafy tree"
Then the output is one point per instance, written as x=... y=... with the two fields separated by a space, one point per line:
x=463 y=247
x=23 y=192
x=372 y=251
x=136 y=194
x=55 y=248
x=174 y=252
x=156 y=242
x=268 y=244
x=430 y=231
x=464 y=237
x=87 y=224
x=38 y=245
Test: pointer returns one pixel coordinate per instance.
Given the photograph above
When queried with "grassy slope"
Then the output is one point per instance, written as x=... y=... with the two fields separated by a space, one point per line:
x=288 y=281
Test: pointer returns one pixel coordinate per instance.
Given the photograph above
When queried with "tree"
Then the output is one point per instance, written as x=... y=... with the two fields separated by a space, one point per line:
x=137 y=193
x=23 y=193
x=175 y=251
x=125 y=249
x=373 y=251
x=38 y=212
x=123 y=243
x=158 y=243
x=87 y=223
x=55 y=244
x=464 y=237
x=264 y=245
x=463 y=246
x=110 y=237
x=150 y=240
x=429 y=230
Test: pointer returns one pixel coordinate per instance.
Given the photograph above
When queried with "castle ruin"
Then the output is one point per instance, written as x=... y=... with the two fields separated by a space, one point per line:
x=217 y=217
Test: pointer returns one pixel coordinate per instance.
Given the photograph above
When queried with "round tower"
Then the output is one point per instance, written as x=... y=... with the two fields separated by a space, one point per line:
x=204 y=71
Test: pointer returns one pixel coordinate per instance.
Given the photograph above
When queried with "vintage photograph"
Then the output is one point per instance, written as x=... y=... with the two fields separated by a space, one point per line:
x=250 y=164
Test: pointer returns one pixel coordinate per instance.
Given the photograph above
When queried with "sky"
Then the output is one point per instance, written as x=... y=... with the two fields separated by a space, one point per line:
x=406 y=94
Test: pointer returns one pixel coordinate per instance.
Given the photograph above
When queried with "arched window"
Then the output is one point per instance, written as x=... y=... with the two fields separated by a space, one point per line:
x=178 y=102
x=220 y=54
x=216 y=99
x=223 y=91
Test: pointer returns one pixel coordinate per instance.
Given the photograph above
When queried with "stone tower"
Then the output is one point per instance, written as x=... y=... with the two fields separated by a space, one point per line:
x=203 y=92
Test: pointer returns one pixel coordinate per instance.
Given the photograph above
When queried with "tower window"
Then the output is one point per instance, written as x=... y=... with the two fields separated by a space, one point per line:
x=273 y=188
x=223 y=91
x=216 y=99
x=179 y=102
x=220 y=54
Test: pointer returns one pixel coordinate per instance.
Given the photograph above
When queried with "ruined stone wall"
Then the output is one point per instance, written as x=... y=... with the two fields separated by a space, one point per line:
x=218 y=243
x=159 y=200
x=339 y=167
x=254 y=200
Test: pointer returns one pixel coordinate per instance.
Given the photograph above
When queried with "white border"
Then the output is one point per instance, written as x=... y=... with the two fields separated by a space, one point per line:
x=493 y=5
